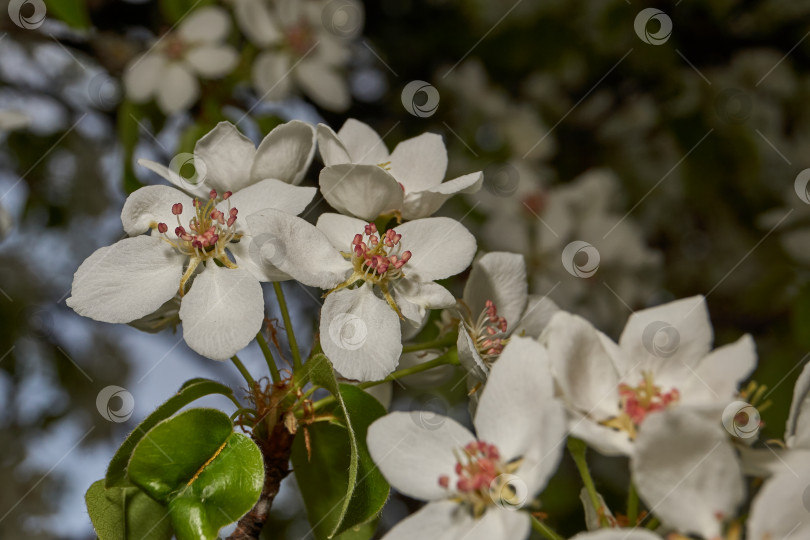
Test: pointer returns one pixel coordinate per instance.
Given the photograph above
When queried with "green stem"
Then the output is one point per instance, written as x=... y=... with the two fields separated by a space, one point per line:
x=632 y=505
x=545 y=530
x=439 y=343
x=285 y=314
x=243 y=370
x=653 y=523
x=578 y=450
x=268 y=357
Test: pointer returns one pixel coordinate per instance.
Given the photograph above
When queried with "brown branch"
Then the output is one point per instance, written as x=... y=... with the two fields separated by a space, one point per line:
x=276 y=453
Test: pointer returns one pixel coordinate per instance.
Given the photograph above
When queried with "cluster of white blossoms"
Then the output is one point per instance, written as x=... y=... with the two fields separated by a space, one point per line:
x=536 y=374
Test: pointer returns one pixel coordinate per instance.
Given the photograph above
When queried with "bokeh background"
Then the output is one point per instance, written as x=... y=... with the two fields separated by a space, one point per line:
x=671 y=141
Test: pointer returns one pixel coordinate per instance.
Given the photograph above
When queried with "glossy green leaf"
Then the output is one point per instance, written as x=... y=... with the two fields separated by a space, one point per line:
x=208 y=475
x=71 y=12
x=190 y=391
x=121 y=513
x=339 y=482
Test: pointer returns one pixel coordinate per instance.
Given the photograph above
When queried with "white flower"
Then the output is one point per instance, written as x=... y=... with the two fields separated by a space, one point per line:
x=11 y=120
x=298 y=49
x=373 y=278
x=617 y=534
x=211 y=245
x=663 y=360
x=496 y=305
x=362 y=179
x=169 y=70
x=781 y=509
x=230 y=161
x=476 y=486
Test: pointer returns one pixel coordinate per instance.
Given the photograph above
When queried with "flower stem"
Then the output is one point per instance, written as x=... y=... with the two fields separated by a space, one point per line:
x=439 y=343
x=285 y=314
x=545 y=530
x=268 y=357
x=578 y=450
x=632 y=505
x=243 y=370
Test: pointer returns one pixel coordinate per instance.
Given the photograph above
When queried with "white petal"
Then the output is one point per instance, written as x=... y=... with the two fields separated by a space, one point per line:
x=363 y=143
x=441 y=520
x=178 y=89
x=324 y=85
x=607 y=441
x=222 y=312
x=285 y=153
x=498 y=523
x=414 y=298
x=468 y=356
x=718 y=376
x=273 y=194
x=779 y=510
x=413 y=449
x=271 y=75
x=363 y=191
x=440 y=247
x=686 y=470
x=582 y=366
x=360 y=334
x=618 y=534
x=331 y=148
x=248 y=255
x=213 y=61
x=420 y=163
x=207 y=24
x=256 y=22
x=668 y=339
x=340 y=229
x=501 y=278
x=797 y=432
x=227 y=155
x=420 y=204
x=150 y=205
x=538 y=313
x=127 y=280
x=143 y=76
x=297 y=248
x=520 y=381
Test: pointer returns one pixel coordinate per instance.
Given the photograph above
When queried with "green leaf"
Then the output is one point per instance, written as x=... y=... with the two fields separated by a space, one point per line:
x=341 y=486
x=208 y=475
x=120 y=513
x=72 y=12
x=176 y=10
x=191 y=390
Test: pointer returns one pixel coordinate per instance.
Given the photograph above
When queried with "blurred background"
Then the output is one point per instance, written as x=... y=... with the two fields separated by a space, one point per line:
x=668 y=138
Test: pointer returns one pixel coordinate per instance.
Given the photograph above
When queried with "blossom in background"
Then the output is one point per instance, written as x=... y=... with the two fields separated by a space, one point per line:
x=300 y=46
x=476 y=485
x=373 y=279
x=617 y=534
x=496 y=305
x=169 y=69
x=663 y=360
x=781 y=509
x=363 y=180
x=11 y=120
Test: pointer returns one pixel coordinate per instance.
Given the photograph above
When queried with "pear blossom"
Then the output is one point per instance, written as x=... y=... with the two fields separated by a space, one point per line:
x=781 y=509
x=476 y=485
x=168 y=71
x=363 y=180
x=663 y=360
x=496 y=305
x=298 y=49
x=374 y=279
x=229 y=161
x=617 y=534
x=204 y=257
